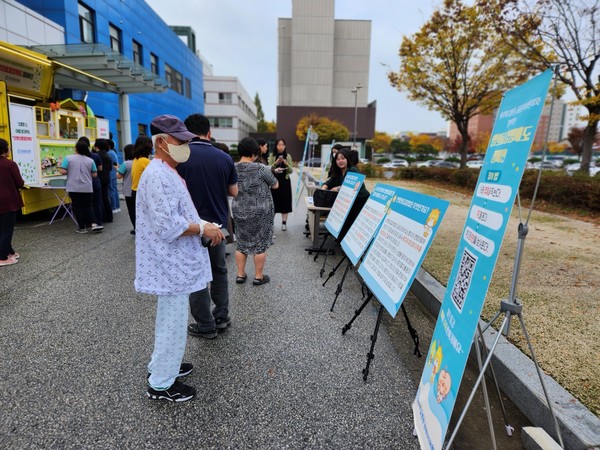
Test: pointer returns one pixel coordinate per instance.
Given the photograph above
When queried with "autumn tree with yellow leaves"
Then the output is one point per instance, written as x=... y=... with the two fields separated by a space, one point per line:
x=327 y=129
x=458 y=65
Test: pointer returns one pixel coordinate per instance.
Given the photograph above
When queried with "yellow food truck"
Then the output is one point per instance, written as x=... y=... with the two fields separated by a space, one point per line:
x=41 y=130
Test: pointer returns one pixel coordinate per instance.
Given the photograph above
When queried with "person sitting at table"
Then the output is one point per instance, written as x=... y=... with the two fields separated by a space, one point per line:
x=80 y=170
x=341 y=167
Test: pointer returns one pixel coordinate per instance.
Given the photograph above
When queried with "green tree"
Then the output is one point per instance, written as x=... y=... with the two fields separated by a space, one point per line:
x=261 y=124
x=558 y=33
x=400 y=146
x=327 y=129
x=457 y=65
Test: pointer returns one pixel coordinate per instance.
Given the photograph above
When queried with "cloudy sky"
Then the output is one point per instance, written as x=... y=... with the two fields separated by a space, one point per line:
x=239 y=38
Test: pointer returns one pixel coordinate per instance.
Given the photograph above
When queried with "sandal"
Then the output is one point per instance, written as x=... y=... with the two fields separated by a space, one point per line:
x=241 y=280
x=259 y=281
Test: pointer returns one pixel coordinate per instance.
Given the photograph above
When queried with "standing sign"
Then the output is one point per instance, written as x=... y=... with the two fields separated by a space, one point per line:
x=344 y=201
x=22 y=132
x=301 y=169
x=512 y=136
x=366 y=224
x=102 y=129
x=399 y=247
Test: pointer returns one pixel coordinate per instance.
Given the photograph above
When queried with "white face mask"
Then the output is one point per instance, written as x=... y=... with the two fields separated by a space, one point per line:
x=179 y=153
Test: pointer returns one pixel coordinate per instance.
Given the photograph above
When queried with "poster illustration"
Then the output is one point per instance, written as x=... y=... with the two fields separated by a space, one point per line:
x=400 y=245
x=23 y=141
x=344 y=201
x=476 y=256
x=51 y=156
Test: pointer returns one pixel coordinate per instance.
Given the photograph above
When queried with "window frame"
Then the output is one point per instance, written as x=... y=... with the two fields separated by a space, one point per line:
x=137 y=49
x=118 y=39
x=90 y=24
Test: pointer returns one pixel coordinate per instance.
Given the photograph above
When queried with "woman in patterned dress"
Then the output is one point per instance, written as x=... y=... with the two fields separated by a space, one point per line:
x=253 y=212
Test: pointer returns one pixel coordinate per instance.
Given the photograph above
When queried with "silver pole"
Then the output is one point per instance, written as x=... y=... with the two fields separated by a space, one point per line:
x=355 y=91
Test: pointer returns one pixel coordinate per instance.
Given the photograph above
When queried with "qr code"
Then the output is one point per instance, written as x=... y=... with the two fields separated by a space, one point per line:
x=463 y=279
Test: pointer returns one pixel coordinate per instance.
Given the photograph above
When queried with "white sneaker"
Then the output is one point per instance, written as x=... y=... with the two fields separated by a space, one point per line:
x=284 y=227
x=8 y=261
x=97 y=228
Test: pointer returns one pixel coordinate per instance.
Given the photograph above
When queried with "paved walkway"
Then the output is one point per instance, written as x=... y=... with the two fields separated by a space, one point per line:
x=76 y=338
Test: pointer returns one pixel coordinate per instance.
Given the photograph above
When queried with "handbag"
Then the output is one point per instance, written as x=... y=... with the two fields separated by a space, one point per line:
x=324 y=198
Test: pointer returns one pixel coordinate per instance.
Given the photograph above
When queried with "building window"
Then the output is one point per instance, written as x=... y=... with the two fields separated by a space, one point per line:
x=221 y=122
x=142 y=129
x=137 y=53
x=154 y=63
x=178 y=83
x=86 y=24
x=169 y=75
x=115 y=38
x=188 y=88
x=225 y=98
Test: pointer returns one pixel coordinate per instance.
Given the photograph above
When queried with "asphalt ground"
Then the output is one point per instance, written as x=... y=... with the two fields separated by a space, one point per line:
x=76 y=339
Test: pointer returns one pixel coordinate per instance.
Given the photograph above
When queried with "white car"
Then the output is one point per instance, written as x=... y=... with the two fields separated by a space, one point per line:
x=396 y=163
x=429 y=163
x=475 y=164
x=572 y=168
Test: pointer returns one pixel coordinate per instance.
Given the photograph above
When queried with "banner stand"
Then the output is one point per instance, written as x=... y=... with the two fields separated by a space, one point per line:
x=413 y=333
x=513 y=307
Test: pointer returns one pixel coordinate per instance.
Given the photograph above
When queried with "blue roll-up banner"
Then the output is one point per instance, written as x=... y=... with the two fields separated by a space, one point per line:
x=368 y=221
x=493 y=199
x=400 y=245
x=344 y=201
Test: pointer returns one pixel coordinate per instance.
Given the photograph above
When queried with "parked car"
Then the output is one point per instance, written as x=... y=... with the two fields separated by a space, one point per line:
x=446 y=164
x=572 y=168
x=429 y=163
x=475 y=163
x=396 y=163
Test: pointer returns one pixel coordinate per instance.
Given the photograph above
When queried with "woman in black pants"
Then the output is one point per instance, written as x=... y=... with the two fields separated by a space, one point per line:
x=102 y=148
x=80 y=170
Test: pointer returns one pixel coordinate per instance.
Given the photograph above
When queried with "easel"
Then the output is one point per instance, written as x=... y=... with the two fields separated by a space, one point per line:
x=512 y=307
x=370 y=355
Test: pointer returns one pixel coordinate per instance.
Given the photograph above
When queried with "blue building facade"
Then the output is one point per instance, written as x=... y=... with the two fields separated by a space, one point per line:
x=140 y=35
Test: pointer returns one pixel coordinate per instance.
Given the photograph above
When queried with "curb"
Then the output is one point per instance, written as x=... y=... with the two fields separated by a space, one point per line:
x=517 y=378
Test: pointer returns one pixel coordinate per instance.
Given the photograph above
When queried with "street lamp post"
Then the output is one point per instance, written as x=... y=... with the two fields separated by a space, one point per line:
x=355 y=92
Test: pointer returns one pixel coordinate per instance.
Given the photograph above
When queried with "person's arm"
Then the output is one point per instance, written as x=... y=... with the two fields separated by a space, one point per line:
x=206 y=229
x=63 y=168
x=94 y=169
x=121 y=171
x=269 y=178
x=289 y=163
x=232 y=190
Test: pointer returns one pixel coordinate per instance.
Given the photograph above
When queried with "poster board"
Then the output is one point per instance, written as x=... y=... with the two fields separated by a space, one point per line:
x=400 y=245
x=344 y=201
x=51 y=155
x=102 y=130
x=473 y=268
x=24 y=142
x=367 y=223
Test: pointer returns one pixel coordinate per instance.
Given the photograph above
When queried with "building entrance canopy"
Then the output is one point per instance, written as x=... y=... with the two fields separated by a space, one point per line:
x=96 y=67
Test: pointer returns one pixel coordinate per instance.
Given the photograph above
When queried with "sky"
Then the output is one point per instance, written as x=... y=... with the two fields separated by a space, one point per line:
x=239 y=38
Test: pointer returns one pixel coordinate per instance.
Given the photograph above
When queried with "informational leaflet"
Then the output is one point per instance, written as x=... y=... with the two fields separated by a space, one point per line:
x=499 y=179
x=399 y=247
x=344 y=201
x=23 y=142
x=367 y=223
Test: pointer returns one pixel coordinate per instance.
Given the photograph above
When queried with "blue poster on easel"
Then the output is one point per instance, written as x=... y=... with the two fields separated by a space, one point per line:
x=491 y=205
x=368 y=221
x=343 y=202
x=399 y=247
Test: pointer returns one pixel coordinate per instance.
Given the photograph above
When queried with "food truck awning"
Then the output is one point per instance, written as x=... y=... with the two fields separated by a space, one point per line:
x=96 y=67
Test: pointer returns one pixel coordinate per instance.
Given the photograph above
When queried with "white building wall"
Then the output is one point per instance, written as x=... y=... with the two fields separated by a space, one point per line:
x=572 y=118
x=22 y=26
x=351 y=62
x=320 y=59
x=237 y=109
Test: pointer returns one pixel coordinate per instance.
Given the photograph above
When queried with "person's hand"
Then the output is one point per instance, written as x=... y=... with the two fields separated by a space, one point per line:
x=213 y=233
x=336 y=189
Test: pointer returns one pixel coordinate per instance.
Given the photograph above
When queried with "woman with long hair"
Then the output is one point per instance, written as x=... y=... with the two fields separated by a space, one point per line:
x=281 y=165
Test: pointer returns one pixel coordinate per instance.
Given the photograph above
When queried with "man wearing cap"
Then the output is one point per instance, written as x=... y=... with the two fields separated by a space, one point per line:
x=210 y=177
x=170 y=260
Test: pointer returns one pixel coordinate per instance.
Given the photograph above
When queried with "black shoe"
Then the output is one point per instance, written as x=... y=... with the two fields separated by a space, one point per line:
x=178 y=392
x=222 y=324
x=258 y=281
x=193 y=330
x=184 y=370
x=132 y=232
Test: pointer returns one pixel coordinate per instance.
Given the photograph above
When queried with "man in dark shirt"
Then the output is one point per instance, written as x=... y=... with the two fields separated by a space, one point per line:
x=210 y=177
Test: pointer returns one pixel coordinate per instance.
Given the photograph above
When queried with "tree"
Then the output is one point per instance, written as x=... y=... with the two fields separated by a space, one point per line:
x=458 y=65
x=271 y=127
x=400 y=146
x=563 y=34
x=380 y=142
x=481 y=141
x=261 y=124
x=575 y=137
x=327 y=129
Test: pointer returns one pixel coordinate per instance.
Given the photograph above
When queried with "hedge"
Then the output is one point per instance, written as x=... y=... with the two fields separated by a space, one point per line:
x=556 y=188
